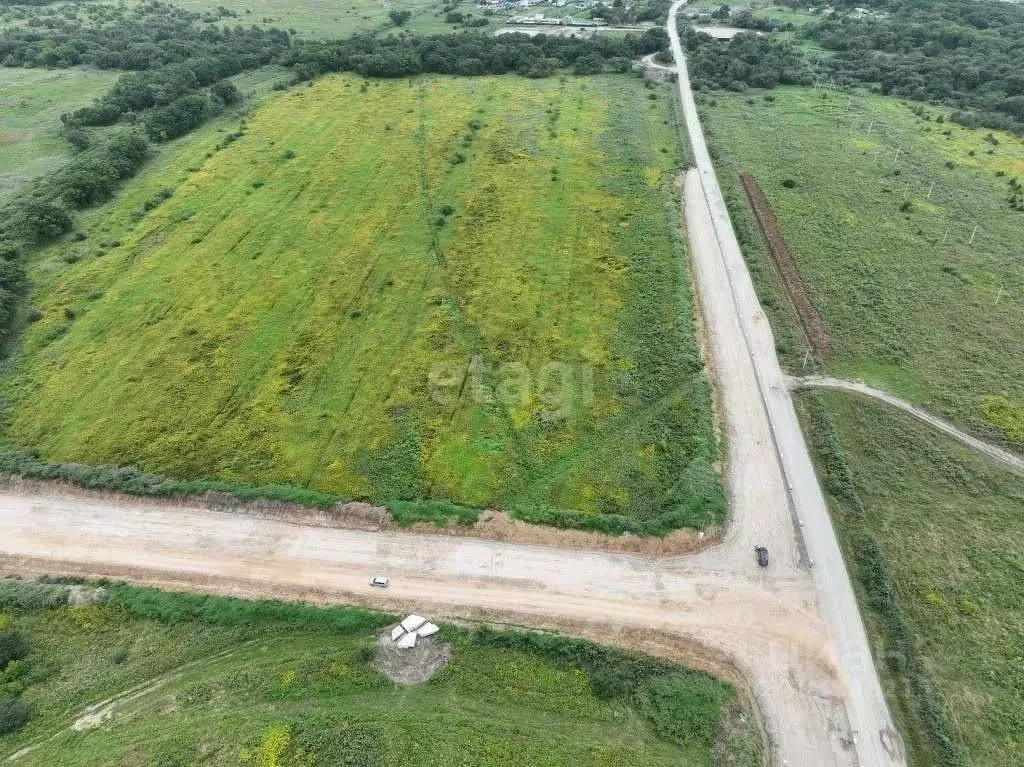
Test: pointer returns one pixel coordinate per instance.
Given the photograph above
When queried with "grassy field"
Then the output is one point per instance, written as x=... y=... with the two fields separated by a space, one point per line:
x=950 y=528
x=880 y=220
x=307 y=18
x=224 y=682
x=445 y=288
x=31 y=103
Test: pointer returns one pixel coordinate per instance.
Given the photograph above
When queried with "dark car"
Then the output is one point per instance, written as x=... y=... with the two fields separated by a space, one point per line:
x=762 y=555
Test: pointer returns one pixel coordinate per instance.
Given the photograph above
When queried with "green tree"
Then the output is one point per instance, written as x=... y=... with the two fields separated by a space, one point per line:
x=399 y=17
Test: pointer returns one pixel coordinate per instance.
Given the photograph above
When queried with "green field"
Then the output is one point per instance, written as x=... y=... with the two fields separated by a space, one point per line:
x=308 y=18
x=950 y=526
x=31 y=103
x=442 y=288
x=940 y=323
x=224 y=682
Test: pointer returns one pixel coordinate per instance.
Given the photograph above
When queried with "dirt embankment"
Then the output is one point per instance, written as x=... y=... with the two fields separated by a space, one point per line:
x=808 y=316
x=491 y=525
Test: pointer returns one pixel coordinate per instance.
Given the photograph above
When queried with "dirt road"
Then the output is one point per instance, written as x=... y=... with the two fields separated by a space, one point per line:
x=1010 y=461
x=758 y=628
x=715 y=248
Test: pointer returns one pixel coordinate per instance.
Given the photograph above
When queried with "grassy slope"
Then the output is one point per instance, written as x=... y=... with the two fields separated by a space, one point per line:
x=951 y=526
x=940 y=324
x=279 y=319
x=31 y=103
x=246 y=688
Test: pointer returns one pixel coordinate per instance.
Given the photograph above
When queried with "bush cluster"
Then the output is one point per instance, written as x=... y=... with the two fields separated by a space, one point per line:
x=682 y=704
x=13 y=712
x=836 y=474
x=177 y=607
x=131 y=480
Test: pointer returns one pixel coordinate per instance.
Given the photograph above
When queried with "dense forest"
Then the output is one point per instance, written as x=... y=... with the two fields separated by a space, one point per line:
x=471 y=54
x=966 y=54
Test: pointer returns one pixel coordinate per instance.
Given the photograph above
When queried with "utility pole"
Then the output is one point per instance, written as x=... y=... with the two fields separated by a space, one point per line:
x=945 y=236
x=971 y=241
x=998 y=295
x=930 y=191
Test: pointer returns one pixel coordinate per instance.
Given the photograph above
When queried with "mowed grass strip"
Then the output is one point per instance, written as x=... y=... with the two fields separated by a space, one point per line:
x=441 y=288
x=880 y=218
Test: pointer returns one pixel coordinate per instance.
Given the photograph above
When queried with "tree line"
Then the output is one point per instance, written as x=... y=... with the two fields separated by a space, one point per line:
x=470 y=53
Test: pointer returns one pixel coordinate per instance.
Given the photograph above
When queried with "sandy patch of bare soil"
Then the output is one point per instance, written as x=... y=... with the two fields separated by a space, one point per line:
x=499 y=526
x=358 y=515
x=413 y=665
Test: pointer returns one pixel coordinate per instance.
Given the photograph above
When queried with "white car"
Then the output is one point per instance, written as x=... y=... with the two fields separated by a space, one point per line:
x=379 y=581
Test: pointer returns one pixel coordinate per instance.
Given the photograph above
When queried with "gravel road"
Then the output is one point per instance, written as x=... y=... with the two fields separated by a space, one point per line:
x=713 y=241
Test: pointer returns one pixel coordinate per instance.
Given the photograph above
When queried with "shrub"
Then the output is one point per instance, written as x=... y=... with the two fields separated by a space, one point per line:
x=39 y=221
x=13 y=715
x=30 y=594
x=399 y=17
x=789 y=183
x=12 y=647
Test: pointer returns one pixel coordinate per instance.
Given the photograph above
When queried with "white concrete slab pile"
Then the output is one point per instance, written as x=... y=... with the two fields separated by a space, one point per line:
x=406 y=641
x=428 y=629
x=413 y=622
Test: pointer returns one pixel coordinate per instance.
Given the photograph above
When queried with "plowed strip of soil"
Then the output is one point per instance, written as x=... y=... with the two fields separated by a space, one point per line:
x=809 y=318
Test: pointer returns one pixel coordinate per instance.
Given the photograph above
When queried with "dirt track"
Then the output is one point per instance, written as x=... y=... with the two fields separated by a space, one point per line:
x=1010 y=461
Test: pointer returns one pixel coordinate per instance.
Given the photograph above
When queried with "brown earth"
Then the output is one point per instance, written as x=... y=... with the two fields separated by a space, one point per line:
x=810 y=320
